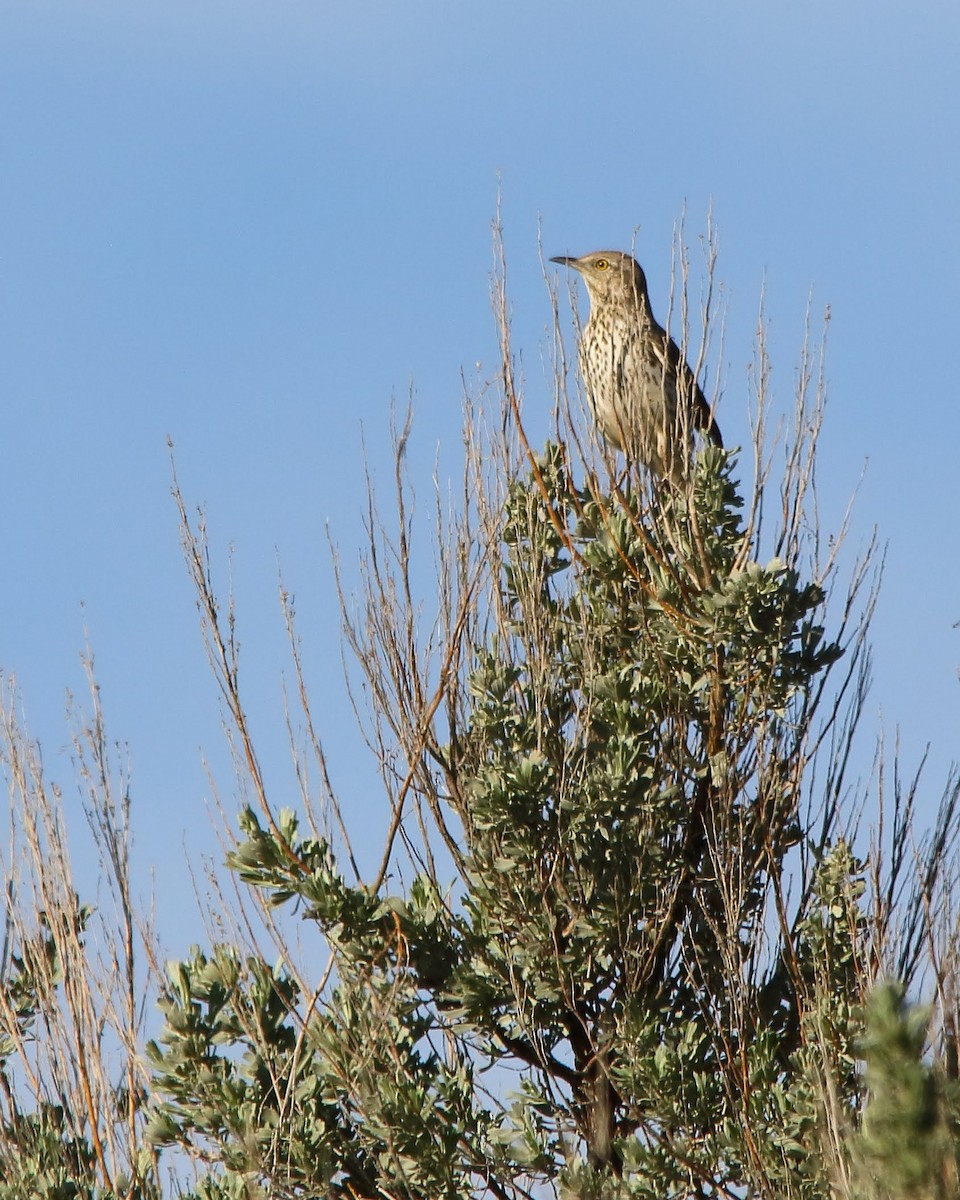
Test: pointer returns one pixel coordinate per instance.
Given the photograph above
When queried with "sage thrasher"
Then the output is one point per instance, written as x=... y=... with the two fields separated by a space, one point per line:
x=642 y=393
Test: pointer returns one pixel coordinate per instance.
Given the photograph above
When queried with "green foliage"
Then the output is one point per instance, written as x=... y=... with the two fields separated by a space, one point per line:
x=645 y=975
x=909 y=1146
x=626 y=770
x=49 y=1153
x=31 y=973
x=40 y=1158
x=358 y=1096
x=632 y=751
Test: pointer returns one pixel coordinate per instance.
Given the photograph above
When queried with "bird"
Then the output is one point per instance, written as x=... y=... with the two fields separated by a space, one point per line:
x=643 y=395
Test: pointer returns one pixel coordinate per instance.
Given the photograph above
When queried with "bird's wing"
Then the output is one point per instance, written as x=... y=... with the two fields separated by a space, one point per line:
x=702 y=412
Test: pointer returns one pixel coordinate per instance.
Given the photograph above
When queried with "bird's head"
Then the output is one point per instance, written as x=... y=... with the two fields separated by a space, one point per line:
x=610 y=275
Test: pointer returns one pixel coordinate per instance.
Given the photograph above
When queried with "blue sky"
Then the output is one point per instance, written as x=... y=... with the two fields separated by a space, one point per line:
x=253 y=226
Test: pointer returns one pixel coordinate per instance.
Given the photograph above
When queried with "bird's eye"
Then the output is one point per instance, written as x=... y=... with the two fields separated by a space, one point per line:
x=601 y=264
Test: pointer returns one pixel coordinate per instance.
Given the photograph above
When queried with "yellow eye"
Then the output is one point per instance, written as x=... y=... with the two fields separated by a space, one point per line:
x=601 y=264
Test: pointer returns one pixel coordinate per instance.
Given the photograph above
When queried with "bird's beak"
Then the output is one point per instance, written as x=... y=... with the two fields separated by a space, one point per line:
x=565 y=260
